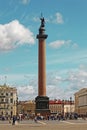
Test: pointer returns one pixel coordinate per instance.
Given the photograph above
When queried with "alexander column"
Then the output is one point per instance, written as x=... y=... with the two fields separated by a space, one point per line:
x=42 y=101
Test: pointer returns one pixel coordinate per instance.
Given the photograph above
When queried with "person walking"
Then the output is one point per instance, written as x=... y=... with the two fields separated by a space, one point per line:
x=14 y=119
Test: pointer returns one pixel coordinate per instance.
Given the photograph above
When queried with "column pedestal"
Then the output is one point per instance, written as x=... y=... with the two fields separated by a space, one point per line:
x=42 y=105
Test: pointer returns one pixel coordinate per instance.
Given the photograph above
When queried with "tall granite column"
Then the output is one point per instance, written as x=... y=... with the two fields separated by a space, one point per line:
x=42 y=101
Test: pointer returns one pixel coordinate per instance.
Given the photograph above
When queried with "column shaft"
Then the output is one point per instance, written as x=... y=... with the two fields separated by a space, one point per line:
x=42 y=68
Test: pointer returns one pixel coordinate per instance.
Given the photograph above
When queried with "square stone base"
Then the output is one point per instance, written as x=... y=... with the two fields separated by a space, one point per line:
x=42 y=105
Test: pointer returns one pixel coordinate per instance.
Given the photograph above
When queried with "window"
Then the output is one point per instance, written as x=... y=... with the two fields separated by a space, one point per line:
x=11 y=100
x=2 y=100
x=11 y=94
x=6 y=94
x=2 y=94
x=6 y=100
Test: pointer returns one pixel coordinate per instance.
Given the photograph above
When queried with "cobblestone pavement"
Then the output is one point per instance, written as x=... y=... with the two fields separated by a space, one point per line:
x=45 y=125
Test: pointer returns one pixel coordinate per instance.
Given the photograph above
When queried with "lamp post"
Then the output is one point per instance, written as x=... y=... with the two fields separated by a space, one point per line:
x=63 y=108
x=17 y=106
x=70 y=104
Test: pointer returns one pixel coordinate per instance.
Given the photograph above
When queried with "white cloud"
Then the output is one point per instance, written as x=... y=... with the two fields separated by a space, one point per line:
x=36 y=19
x=25 y=1
x=59 y=43
x=83 y=67
x=55 y=19
x=58 y=78
x=59 y=18
x=55 y=92
x=75 y=45
x=26 y=92
x=60 y=84
x=66 y=83
x=14 y=34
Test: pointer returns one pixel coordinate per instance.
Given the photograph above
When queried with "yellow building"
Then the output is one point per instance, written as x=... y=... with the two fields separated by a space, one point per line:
x=55 y=106
x=81 y=101
x=69 y=108
x=8 y=100
x=61 y=106
x=26 y=108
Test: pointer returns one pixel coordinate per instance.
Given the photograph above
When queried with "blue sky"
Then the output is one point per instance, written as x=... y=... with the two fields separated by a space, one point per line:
x=66 y=46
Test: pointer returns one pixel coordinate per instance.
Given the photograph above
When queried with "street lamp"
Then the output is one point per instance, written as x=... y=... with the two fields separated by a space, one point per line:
x=63 y=108
x=70 y=104
x=17 y=106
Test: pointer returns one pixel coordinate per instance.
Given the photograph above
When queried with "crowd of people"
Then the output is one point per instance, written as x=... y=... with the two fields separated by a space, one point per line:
x=58 y=117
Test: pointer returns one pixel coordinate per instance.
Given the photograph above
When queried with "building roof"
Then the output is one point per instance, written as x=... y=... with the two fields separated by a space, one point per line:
x=81 y=91
x=7 y=88
x=55 y=102
x=67 y=102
